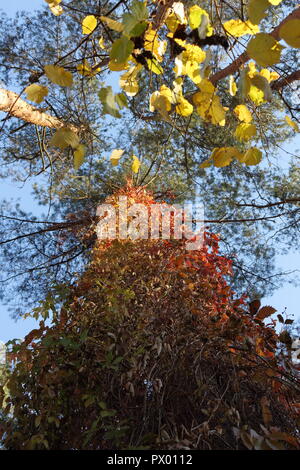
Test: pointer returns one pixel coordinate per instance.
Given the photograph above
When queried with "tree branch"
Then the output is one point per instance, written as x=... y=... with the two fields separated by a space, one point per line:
x=12 y=104
x=271 y=204
x=56 y=226
x=282 y=82
x=243 y=58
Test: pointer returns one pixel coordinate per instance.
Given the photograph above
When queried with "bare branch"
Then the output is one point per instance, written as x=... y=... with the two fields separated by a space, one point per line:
x=282 y=82
x=271 y=204
x=56 y=226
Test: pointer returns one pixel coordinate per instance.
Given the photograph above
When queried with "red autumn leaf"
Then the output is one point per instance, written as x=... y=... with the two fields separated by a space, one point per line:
x=265 y=312
x=254 y=306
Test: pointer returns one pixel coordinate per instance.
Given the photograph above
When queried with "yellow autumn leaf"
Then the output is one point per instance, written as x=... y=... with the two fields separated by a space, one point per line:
x=89 y=23
x=206 y=163
x=128 y=81
x=193 y=53
x=64 y=138
x=179 y=68
x=258 y=82
x=251 y=69
x=36 y=93
x=135 y=164
x=216 y=112
x=153 y=44
x=191 y=58
x=293 y=124
x=161 y=101
x=290 y=33
x=131 y=87
x=275 y=2
x=252 y=156
x=238 y=28
x=223 y=156
x=59 y=75
x=206 y=87
x=177 y=83
x=264 y=49
x=79 y=154
x=184 y=107
x=270 y=76
x=202 y=104
x=115 y=156
x=244 y=132
x=156 y=102
x=84 y=69
x=55 y=2
x=112 y=24
x=232 y=86
x=266 y=73
x=208 y=104
x=256 y=95
x=199 y=19
x=154 y=66
x=203 y=98
x=172 y=22
x=101 y=42
x=192 y=70
x=56 y=9
x=195 y=16
x=273 y=76
x=117 y=67
x=168 y=93
x=243 y=113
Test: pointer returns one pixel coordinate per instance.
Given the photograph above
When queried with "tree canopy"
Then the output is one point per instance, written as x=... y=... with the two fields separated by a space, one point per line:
x=176 y=152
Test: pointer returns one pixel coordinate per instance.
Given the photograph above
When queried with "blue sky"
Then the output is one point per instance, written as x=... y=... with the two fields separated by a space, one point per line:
x=287 y=296
x=12 y=6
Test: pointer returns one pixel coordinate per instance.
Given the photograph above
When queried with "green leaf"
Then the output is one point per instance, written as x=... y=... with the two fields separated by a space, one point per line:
x=139 y=29
x=264 y=49
x=257 y=9
x=139 y=10
x=121 y=50
x=107 y=413
x=37 y=421
x=90 y=400
x=134 y=21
